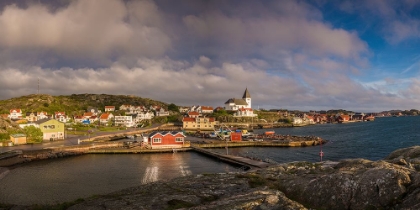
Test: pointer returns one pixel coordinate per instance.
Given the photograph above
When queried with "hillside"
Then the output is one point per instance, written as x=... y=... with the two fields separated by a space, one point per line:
x=72 y=104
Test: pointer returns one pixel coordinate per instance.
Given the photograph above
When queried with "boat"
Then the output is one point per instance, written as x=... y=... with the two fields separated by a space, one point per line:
x=245 y=133
x=269 y=133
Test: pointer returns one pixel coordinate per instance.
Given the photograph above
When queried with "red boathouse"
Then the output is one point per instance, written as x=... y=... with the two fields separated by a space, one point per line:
x=166 y=139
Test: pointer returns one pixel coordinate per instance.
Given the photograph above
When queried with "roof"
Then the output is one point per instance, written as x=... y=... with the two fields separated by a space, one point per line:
x=246 y=94
x=109 y=106
x=206 y=108
x=236 y=101
x=17 y=110
x=18 y=135
x=164 y=133
x=193 y=113
x=104 y=116
x=45 y=120
x=188 y=119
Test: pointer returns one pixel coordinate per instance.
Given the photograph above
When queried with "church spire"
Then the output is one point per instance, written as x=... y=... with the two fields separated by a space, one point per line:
x=246 y=94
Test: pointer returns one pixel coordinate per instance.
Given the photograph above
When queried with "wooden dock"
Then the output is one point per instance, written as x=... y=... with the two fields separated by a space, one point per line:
x=135 y=151
x=243 y=161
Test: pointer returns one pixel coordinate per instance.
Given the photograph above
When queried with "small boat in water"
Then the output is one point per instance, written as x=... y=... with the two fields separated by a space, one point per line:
x=269 y=133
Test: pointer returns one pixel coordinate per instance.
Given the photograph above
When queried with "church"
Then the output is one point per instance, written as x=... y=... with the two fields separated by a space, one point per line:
x=234 y=104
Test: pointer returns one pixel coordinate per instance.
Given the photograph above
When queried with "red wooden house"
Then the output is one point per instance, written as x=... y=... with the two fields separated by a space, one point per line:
x=166 y=139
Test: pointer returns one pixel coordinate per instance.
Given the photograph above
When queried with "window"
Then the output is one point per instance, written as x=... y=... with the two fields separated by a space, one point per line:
x=157 y=140
x=179 y=139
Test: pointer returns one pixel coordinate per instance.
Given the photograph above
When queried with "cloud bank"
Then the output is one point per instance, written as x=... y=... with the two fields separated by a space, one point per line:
x=286 y=53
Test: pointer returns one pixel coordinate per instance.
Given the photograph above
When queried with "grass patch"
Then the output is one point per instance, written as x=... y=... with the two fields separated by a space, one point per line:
x=177 y=204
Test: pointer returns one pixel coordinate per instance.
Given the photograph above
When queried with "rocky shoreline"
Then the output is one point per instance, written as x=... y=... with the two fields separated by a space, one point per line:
x=392 y=183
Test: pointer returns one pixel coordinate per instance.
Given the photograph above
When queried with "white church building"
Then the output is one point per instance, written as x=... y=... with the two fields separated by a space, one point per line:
x=241 y=106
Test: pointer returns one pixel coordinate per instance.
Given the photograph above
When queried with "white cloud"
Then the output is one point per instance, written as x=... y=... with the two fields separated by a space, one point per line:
x=94 y=28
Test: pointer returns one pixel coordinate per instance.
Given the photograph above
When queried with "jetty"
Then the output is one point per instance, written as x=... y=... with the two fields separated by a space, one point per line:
x=243 y=161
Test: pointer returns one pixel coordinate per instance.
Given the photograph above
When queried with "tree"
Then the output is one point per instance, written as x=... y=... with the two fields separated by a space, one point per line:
x=33 y=133
x=173 y=107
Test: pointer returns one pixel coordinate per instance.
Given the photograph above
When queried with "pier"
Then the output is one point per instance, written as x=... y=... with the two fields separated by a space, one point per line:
x=233 y=159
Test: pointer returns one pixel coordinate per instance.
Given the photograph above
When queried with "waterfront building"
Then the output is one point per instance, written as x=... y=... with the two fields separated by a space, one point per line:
x=245 y=112
x=199 y=123
x=17 y=139
x=234 y=104
x=51 y=129
x=166 y=139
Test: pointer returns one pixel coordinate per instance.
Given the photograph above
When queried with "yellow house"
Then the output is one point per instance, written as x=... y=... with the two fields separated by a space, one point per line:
x=18 y=138
x=198 y=123
x=51 y=129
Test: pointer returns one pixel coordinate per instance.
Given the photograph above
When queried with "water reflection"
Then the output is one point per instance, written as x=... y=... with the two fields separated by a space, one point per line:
x=67 y=179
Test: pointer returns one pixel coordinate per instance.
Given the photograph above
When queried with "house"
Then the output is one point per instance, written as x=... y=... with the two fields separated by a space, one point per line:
x=166 y=139
x=18 y=138
x=90 y=116
x=183 y=109
x=31 y=116
x=52 y=129
x=105 y=118
x=193 y=114
x=126 y=121
x=161 y=112
x=144 y=116
x=42 y=115
x=343 y=118
x=93 y=110
x=78 y=119
x=109 y=108
x=199 y=123
x=206 y=109
x=61 y=116
x=125 y=107
x=297 y=121
x=245 y=112
x=15 y=114
x=234 y=104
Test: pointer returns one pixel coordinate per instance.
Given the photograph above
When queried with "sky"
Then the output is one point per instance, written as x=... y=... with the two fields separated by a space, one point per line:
x=299 y=55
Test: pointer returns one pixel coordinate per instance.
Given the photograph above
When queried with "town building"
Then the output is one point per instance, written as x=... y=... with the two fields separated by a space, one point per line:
x=199 y=123
x=51 y=129
x=15 y=114
x=61 y=116
x=31 y=116
x=18 y=138
x=105 y=118
x=166 y=139
x=126 y=121
x=109 y=108
x=234 y=104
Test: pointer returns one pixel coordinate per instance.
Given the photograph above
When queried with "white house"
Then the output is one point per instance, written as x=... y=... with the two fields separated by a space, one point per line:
x=234 y=104
x=126 y=121
x=105 y=117
x=245 y=112
x=61 y=116
x=15 y=114
x=161 y=112
x=144 y=116
x=42 y=115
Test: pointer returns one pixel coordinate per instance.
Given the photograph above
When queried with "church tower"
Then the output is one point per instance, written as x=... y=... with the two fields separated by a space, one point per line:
x=247 y=98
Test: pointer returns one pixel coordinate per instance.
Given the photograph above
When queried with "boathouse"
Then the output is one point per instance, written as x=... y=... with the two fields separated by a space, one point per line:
x=166 y=139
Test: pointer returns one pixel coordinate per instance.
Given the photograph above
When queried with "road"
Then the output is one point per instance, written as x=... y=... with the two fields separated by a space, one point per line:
x=71 y=140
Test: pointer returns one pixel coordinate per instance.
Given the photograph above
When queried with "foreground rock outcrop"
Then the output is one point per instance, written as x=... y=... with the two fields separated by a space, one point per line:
x=392 y=183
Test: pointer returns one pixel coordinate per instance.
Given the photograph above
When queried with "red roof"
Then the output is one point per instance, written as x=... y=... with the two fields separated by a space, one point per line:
x=17 y=110
x=193 y=113
x=87 y=114
x=188 y=119
x=104 y=116
x=206 y=108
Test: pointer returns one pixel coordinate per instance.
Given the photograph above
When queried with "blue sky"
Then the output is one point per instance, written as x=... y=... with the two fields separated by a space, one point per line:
x=306 y=55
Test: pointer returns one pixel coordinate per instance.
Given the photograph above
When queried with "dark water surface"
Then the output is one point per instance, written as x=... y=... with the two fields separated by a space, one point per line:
x=60 y=180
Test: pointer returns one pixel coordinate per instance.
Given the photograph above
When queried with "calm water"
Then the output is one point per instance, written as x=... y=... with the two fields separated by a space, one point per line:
x=78 y=177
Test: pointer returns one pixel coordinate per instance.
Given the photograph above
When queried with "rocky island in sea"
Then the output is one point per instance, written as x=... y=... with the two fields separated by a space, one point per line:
x=391 y=183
